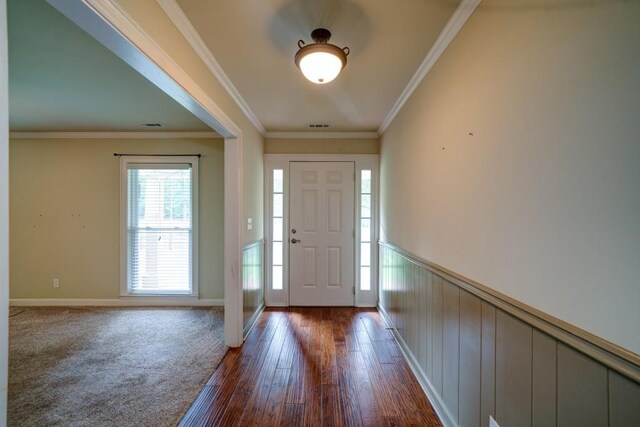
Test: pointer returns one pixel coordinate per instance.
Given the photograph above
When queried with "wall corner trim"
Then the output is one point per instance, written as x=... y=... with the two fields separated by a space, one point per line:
x=450 y=30
x=186 y=28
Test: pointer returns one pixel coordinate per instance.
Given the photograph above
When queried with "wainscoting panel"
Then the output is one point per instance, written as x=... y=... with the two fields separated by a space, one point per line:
x=582 y=390
x=488 y=363
x=624 y=396
x=513 y=370
x=252 y=283
x=478 y=354
x=470 y=358
x=450 y=348
x=544 y=364
x=437 y=332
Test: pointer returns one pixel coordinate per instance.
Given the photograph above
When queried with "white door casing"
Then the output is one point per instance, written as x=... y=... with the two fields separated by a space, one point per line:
x=321 y=250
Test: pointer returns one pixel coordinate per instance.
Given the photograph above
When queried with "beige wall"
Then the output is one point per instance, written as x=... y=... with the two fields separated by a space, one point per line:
x=321 y=146
x=65 y=215
x=516 y=162
x=152 y=19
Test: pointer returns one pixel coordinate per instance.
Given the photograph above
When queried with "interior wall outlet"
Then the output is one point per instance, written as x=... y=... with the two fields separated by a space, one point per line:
x=56 y=283
x=492 y=422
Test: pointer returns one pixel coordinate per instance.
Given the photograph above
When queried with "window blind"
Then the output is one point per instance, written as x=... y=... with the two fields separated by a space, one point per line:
x=159 y=228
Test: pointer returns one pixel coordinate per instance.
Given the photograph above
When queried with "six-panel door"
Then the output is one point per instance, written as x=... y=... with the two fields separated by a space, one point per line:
x=321 y=233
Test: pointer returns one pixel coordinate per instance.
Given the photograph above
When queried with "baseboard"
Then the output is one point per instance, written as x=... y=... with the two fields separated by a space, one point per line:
x=277 y=304
x=427 y=387
x=252 y=321
x=120 y=302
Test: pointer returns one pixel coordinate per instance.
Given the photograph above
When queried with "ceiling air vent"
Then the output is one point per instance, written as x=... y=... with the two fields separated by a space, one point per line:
x=151 y=125
x=318 y=126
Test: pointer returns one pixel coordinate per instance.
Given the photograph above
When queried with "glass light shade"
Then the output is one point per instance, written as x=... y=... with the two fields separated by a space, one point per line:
x=320 y=67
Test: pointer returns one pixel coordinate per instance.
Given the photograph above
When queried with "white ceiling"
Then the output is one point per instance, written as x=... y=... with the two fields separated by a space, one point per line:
x=61 y=79
x=255 y=42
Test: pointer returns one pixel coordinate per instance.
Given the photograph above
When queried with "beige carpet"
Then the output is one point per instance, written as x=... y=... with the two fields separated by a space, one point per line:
x=109 y=366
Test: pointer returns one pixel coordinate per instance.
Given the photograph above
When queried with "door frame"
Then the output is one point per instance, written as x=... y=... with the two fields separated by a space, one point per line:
x=280 y=298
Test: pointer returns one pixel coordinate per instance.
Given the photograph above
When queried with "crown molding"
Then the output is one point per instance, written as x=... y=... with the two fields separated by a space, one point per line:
x=114 y=135
x=180 y=20
x=322 y=135
x=450 y=30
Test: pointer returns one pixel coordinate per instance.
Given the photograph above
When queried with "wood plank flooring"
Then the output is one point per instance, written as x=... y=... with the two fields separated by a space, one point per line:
x=314 y=367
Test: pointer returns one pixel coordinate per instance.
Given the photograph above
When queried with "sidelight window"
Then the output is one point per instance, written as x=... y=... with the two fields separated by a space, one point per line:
x=365 y=229
x=277 y=251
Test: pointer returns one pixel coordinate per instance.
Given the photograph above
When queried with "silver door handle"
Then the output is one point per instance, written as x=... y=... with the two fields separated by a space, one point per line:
x=294 y=240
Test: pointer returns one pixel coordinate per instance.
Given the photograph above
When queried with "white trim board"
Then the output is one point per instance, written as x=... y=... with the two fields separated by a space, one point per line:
x=322 y=135
x=4 y=212
x=122 y=302
x=450 y=30
x=233 y=235
x=182 y=23
x=116 y=135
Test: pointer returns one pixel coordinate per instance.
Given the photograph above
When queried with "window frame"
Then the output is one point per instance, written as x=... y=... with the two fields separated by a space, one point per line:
x=152 y=160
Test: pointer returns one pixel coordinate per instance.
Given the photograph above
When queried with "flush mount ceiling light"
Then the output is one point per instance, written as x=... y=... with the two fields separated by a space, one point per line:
x=321 y=62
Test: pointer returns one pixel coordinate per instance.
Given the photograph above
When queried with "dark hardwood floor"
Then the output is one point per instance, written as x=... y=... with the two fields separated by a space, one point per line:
x=314 y=367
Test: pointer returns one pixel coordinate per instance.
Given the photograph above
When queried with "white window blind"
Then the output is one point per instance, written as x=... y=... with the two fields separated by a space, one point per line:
x=159 y=230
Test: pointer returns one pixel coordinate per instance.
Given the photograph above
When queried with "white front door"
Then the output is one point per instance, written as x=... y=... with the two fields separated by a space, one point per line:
x=321 y=233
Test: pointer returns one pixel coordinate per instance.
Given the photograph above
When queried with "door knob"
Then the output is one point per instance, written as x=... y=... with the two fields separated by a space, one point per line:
x=294 y=240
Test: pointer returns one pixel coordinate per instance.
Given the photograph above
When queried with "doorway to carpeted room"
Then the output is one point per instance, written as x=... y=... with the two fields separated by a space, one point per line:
x=109 y=366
